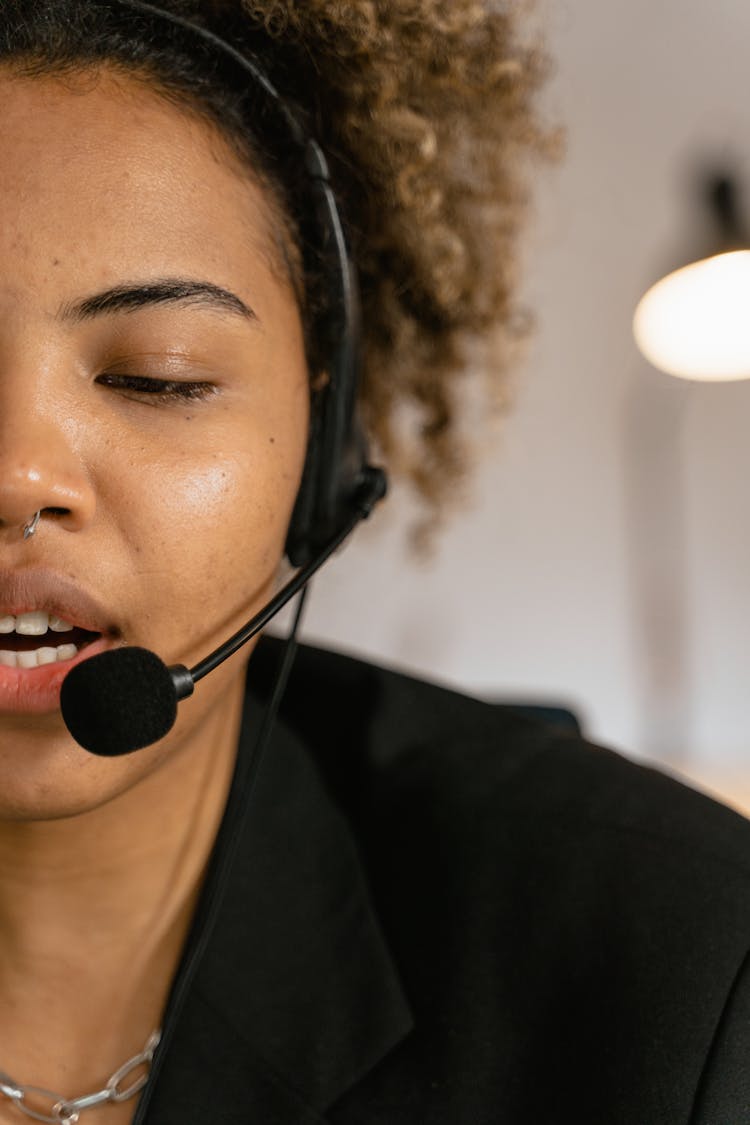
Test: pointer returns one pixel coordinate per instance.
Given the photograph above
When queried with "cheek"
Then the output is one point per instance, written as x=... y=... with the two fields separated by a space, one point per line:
x=204 y=514
x=227 y=509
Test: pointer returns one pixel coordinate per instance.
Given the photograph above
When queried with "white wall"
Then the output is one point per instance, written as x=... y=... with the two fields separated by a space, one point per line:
x=605 y=562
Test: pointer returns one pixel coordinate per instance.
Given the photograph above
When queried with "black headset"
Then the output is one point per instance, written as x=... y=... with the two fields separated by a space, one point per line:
x=339 y=485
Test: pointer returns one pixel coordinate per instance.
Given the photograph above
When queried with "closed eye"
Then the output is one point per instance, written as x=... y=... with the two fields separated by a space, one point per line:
x=158 y=390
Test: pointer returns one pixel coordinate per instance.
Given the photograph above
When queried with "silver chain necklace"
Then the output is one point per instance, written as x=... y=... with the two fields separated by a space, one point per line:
x=66 y=1111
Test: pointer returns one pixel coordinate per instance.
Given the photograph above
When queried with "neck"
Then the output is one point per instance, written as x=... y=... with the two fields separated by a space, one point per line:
x=95 y=908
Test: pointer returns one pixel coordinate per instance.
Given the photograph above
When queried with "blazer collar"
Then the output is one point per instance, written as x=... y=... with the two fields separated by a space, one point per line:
x=295 y=997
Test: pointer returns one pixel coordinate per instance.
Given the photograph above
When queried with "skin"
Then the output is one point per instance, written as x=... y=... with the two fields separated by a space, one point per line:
x=175 y=519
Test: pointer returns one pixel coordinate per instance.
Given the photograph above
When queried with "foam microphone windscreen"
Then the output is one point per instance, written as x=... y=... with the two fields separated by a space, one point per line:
x=119 y=701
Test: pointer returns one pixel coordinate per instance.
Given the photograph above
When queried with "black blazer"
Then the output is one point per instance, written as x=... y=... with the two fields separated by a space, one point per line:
x=442 y=912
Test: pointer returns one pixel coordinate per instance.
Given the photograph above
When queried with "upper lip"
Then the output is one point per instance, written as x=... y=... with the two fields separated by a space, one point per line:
x=22 y=591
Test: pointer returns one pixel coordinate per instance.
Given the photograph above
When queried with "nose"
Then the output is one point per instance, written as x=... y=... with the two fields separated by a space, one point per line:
x=40 y=471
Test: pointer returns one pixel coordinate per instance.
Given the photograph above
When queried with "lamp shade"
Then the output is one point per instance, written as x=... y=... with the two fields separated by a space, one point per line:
x=695 y=322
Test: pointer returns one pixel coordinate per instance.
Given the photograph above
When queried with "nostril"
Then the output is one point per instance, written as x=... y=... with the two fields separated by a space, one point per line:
x=35 y=517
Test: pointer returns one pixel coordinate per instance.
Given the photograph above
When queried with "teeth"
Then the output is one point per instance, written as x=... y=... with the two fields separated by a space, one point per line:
x=57 y=625
x=34 y=624
x=35 y=657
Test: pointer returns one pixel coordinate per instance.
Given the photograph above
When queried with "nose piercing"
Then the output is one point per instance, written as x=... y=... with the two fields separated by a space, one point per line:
x=31 y=527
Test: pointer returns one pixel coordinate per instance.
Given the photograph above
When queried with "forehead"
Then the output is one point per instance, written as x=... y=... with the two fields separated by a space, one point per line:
x=100 y=169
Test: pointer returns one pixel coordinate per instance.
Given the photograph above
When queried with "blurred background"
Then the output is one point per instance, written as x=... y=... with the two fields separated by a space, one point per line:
x=604 y=562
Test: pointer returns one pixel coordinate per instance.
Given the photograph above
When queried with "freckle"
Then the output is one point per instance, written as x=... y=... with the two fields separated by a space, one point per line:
x=55 y=261
x=272 y=440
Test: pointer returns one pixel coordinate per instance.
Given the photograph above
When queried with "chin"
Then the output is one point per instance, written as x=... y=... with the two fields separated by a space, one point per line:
x=54 y=779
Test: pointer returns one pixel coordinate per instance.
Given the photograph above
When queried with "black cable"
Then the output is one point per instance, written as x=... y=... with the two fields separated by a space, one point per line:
x=246 y=773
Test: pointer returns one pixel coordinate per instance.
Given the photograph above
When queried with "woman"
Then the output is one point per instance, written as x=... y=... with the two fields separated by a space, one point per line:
x=426 y=909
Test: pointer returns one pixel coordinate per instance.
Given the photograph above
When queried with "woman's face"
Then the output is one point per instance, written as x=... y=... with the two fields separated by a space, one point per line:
x=134 y=247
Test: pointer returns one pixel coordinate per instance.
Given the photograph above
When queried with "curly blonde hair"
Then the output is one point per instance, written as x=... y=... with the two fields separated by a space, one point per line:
x=426 y=108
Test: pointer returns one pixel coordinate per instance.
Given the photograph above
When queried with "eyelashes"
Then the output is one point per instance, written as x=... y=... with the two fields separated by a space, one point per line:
x=158 y=390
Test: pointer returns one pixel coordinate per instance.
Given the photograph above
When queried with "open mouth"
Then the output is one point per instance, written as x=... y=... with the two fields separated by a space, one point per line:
x=34 y=639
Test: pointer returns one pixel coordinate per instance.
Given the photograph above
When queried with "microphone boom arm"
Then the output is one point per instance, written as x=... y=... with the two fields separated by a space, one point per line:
x=371 y=490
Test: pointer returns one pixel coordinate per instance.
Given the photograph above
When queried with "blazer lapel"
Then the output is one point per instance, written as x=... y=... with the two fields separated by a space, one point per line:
x=212 y=1075
x=295 y=997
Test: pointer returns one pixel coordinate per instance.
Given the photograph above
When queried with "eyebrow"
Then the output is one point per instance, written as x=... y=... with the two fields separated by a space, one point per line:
x=163 y=291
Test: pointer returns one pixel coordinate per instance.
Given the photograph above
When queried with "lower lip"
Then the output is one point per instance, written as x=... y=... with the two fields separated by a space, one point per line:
x=36 y=691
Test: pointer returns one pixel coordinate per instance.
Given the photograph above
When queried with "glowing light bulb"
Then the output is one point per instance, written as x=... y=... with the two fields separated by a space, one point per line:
x=695 y=323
